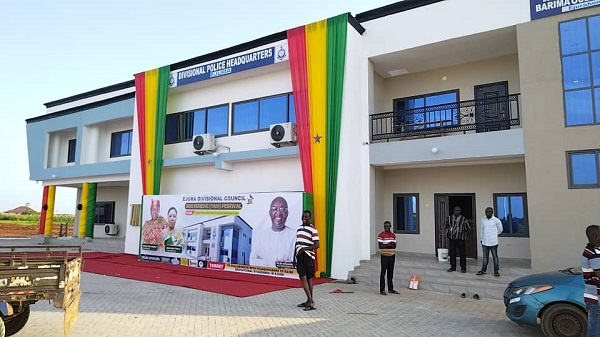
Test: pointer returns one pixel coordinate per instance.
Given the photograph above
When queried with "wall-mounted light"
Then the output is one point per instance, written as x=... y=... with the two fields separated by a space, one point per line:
x=444 y=78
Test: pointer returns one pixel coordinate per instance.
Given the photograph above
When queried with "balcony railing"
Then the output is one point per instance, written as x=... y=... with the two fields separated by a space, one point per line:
x=482 y=115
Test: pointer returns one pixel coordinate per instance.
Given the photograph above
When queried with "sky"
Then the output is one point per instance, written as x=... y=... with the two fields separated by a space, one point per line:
x=55 y=49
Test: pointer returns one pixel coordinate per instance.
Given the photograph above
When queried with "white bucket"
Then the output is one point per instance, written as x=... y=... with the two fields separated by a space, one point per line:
x=442 y=254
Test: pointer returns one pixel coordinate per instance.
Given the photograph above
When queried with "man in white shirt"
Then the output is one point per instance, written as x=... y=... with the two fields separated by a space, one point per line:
x=491 y=227
x=274 y=242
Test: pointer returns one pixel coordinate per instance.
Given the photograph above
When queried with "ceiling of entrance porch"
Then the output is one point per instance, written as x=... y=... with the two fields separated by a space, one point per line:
x=447 y=53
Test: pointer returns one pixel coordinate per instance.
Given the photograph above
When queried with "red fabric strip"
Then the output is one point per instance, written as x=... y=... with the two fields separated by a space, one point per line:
x=297 y=48
x=140 y=99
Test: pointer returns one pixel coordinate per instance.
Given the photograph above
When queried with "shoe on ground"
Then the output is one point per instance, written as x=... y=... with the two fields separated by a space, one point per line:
x=451 y=270
x=463 y=271
x=497 y=274
x=481 y=272
x=383 y=293
x=393 y=292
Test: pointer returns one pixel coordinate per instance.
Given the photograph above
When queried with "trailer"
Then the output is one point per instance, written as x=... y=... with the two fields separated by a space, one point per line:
x=32 y=273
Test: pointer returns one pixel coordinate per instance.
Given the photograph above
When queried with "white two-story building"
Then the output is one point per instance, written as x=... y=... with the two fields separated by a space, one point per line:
x=444 y=103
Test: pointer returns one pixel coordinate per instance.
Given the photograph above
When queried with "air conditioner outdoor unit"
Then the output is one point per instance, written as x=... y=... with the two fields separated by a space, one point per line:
x=204 y=143
x=283 y=134
x=111 y=229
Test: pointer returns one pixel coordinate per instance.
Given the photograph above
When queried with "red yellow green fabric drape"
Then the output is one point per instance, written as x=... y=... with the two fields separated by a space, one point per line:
x=317 y=62
x=151 y=88
x=87 y=213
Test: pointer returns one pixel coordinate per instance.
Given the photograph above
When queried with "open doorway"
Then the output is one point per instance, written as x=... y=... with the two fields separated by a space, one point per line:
x=444 y=205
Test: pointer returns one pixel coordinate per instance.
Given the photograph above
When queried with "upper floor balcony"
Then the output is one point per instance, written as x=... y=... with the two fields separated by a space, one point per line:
x=479 y=115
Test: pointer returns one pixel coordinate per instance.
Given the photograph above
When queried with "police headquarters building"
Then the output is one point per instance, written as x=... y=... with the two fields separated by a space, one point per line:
x=360 y=118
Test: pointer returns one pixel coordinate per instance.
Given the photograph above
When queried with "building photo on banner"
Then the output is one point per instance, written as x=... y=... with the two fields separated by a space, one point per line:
x=250 y=233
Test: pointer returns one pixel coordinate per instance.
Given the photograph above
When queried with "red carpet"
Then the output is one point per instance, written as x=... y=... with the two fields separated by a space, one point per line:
x=222 y=282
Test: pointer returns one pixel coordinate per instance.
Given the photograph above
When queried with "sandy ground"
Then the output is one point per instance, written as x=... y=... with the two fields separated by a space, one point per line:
x=17 y=230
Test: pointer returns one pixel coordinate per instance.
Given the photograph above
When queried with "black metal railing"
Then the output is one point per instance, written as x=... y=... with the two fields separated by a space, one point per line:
x=482 y=115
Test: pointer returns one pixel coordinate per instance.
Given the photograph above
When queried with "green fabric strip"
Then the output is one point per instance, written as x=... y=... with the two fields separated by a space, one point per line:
x=161 y=117
x=91 y=210
x=336 y=59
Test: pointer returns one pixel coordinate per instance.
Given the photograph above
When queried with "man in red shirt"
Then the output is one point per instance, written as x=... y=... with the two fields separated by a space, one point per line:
x=387 y=246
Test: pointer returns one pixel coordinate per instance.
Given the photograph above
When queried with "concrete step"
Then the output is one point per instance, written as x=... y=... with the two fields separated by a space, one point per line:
x=434 y=276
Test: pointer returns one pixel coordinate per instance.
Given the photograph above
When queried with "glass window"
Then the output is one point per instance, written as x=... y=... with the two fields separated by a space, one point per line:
x=406 y=213
x=576 y=70
x=120 y=143
x=105 y=212
x=171 y=129
x=217 y=120
x=259 y=114
x=578 y=107
x=199 y=122
x=291 y=109
x=581 y=70
x=71 y=151
x=427 y=111
x=594 y=24
x=511 y=209
x=272 y=110
x=573 y=37
x=181 y=127
x=583 y=168
x=245 y=117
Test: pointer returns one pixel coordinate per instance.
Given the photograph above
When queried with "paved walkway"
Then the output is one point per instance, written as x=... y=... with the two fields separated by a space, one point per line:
x=118 y=307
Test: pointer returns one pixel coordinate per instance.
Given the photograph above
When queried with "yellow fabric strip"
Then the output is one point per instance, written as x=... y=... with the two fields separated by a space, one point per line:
x=84 y=208
x=151 y=94
x=316 y=59
x=50 y=211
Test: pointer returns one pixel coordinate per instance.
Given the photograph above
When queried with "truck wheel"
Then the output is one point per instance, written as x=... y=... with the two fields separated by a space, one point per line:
x=16 y=322
x=564 y=320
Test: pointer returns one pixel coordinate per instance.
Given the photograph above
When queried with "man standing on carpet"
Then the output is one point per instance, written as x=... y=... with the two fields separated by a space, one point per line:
x=307 y=240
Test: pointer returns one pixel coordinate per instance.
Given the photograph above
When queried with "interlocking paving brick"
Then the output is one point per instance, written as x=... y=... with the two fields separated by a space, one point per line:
x=116 y=307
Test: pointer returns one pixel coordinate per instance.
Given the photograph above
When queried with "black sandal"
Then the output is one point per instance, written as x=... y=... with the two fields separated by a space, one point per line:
x=302 y=305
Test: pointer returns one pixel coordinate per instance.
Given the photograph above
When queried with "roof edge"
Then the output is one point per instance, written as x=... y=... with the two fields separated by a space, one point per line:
x=394 y=8
x=95 y=92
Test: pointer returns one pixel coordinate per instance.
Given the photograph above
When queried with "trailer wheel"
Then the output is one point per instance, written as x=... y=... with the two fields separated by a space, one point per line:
x=16 y=322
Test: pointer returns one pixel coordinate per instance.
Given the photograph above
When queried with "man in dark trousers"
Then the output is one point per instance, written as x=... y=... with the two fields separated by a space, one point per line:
x=307 y=240
x=457 y=226
x=387 y=246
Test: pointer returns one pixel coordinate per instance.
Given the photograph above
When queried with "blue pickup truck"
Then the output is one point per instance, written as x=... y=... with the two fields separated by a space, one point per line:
x=554 y=300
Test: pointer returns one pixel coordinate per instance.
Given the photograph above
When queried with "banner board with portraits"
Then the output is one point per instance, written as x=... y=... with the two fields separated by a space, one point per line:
x=250 y=233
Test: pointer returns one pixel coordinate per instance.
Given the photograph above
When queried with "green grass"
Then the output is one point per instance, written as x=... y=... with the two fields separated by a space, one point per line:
x=34 y=218
x=22 y=223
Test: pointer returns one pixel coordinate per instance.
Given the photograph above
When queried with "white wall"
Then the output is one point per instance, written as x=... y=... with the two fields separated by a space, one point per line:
x=117 y=194
x=105 y=135
x=58 y=147
x=352 y=200
x=440 y=21
x=97 y=140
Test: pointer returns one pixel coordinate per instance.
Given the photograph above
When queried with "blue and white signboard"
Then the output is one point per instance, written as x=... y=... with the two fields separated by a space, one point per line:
x=232 y=65
x=544 y=8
